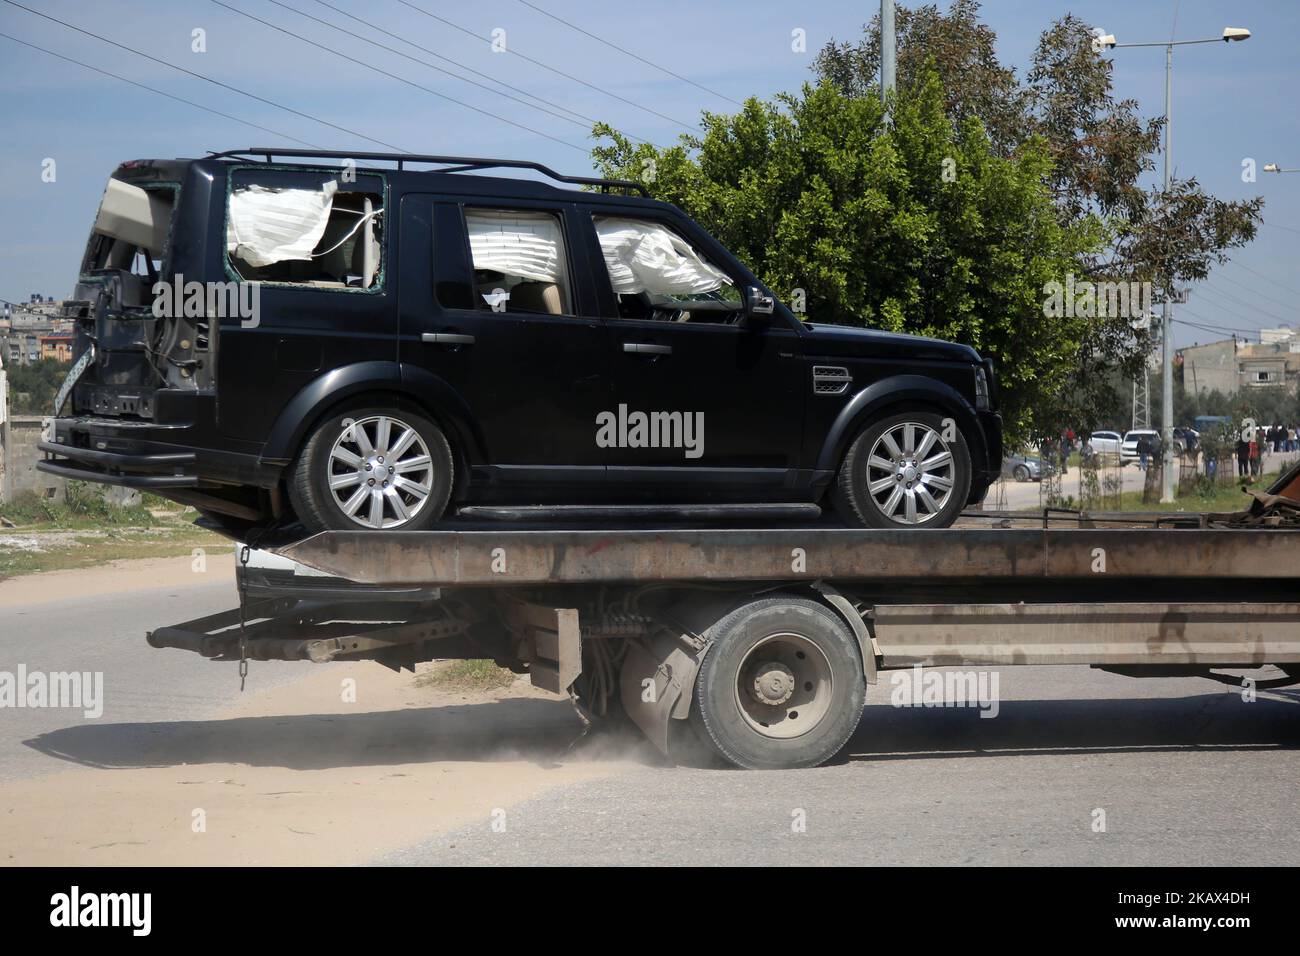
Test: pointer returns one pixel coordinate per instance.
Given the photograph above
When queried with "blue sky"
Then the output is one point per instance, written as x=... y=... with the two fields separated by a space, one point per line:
x=1231 y=101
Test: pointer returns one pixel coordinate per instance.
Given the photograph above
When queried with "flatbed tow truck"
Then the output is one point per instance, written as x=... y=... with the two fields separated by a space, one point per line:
x=760 y=643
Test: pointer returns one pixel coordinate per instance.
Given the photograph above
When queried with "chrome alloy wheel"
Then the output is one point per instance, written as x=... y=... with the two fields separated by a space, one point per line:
x=380 y=471
x=910 y=473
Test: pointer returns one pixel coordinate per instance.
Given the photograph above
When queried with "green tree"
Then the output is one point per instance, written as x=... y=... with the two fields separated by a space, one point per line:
x=1100 y=146
x=32 y=387
x=919 y=227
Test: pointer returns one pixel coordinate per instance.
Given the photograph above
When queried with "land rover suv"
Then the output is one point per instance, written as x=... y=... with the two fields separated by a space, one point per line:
x=389 y=341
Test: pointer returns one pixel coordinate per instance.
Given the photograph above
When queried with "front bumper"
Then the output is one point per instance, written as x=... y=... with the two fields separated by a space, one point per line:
x=990 y=469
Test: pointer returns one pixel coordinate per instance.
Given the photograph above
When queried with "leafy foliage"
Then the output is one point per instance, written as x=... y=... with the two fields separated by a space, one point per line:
x=951 y=221
x=917 y=227
x=32 y=387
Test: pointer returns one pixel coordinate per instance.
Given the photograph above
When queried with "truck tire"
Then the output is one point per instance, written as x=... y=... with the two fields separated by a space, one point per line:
x=372 y=468
x=780 y=686
x=908 y=470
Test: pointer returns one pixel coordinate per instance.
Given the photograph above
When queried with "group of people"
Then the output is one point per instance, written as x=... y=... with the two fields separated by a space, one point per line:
x=1274 y=438
x=1282 y=437
x=1057 y=451
x=1271 y=438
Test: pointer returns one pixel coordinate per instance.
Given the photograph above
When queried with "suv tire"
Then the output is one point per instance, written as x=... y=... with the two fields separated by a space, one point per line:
x=372 y=468
x=883 y=483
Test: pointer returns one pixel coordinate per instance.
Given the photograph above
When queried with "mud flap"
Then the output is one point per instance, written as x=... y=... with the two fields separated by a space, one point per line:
x=867 y=645
x=551 y=643
x=655 y=684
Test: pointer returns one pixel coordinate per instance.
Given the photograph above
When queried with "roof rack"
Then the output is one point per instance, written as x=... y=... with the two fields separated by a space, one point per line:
x=453 y=164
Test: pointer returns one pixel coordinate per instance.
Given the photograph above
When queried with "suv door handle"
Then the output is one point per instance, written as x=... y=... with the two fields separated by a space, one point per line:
x=447 y=338
x=645 y=348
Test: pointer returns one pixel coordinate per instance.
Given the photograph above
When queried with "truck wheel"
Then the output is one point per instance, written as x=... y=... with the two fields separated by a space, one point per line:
x=781 y=685
x=902 y=472
x=370 y=469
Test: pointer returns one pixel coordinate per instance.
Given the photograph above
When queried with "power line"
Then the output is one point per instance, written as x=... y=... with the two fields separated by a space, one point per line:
x=394 y=76
x=1261 y=275
x=615 y=46
x=1209 y=327
x=1242 y=285
x=1248 y=305
x=1276 y=226
x=200 y=76
x=1223 y=308
x=170 y=96
x=431 y=66
x=552 y=69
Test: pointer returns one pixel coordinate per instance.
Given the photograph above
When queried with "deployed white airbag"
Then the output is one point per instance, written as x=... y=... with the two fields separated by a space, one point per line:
x=645 y=257
x=268 y=225
x=523 y=244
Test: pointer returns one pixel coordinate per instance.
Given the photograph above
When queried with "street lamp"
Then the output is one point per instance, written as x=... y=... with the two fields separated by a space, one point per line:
x=1275 y=168
x=1106 y=41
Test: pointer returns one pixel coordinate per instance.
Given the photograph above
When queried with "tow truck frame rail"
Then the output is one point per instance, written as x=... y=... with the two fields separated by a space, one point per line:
x=762 y=642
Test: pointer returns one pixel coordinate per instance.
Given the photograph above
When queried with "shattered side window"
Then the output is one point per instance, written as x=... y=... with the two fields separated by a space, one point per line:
x=656 y=274
x=308 y=229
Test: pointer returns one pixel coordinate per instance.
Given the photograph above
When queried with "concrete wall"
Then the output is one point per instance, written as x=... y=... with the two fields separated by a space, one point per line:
x=20 y=455
x=1211 y=367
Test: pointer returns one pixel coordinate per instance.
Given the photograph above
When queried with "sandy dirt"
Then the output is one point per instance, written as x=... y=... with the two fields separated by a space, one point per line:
x=340 y=767
x=300 y=776
x=117 y=576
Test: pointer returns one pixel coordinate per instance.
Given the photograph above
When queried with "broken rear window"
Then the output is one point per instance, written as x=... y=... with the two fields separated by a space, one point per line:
x=131 y=228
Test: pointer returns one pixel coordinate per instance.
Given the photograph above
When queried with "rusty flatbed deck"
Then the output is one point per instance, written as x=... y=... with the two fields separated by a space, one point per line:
x=972 y=555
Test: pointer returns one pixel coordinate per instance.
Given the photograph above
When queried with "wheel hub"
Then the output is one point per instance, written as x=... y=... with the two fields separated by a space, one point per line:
x=773 y=683
x=378 y=474
x=784 y=686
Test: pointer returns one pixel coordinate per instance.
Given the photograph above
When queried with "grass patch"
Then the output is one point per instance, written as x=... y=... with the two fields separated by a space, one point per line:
x=85 y=529
x=465 y=675
x=1209 y=498
x=27 y=552
x=87 y=505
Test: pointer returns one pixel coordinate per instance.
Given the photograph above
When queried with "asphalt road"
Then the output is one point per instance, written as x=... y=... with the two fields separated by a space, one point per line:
x=1020 y=495
x=141 y=685
x=1184 y=770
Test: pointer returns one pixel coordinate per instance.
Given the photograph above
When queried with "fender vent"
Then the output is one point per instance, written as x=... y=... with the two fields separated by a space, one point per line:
x=830 y=380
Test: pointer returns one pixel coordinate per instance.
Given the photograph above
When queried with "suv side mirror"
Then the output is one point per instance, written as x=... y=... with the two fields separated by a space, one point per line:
x=759 y=302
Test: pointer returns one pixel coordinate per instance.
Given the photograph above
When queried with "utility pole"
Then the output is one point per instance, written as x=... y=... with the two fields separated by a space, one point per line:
x=1105 y=41
x=888 y=62
x=1167 y=312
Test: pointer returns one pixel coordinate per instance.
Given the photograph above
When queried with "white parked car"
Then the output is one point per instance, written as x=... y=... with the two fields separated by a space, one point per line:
x=1106 y=443
x=1129 y=450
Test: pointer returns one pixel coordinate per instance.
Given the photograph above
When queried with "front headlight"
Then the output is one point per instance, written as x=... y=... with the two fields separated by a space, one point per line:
x=981 y=388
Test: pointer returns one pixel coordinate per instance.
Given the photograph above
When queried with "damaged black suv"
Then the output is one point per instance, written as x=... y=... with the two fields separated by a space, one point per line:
x=269 y=336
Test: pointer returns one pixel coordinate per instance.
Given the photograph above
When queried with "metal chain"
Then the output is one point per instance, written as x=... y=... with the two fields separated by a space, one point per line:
x=244 y=553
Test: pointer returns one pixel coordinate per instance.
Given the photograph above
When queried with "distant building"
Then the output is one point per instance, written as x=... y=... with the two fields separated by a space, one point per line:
x=26 y=325
x=56 y=347
x=1231 y=366
x=1211 y=367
